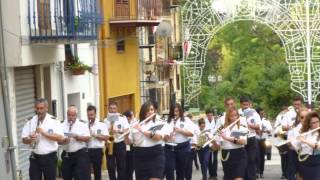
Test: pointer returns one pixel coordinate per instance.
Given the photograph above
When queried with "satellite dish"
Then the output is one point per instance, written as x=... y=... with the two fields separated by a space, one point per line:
x=164 y=29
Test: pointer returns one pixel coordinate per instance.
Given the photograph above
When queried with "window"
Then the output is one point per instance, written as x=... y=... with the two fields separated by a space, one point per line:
x=120 y=46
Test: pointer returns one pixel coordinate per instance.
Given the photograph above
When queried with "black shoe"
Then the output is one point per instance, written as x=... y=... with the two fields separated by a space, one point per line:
x=214 y=178
x=283 y=177
x=261 y=176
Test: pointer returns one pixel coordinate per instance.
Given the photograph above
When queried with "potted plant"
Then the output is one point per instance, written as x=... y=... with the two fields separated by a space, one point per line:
x=76 y=67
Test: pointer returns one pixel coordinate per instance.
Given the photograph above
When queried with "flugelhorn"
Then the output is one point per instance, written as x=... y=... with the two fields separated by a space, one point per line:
x=218 y=133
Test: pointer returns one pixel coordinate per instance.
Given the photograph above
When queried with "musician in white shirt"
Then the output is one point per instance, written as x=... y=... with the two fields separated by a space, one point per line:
x=43 y=133
x=262 y=136
x=75 y=159
x=129 y=147
x=254 y=124
x=193 y=153
x=212 y=124
x=308 y=147
x=147 y=138
x=232 y=142
x=99 y=134
x=177 y=148
x=293 y=133
x=116 y=153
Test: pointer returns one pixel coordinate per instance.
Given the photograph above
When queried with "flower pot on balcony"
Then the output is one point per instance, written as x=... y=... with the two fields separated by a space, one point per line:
x=79 y=71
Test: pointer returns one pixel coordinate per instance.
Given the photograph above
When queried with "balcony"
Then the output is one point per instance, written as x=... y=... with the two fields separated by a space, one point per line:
x=63 y=21
x=136 y=13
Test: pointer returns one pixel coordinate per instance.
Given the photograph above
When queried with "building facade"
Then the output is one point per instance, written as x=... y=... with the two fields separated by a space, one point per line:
x=44 y=42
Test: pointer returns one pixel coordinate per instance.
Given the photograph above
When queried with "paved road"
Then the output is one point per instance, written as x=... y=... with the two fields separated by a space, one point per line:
x=272 y=169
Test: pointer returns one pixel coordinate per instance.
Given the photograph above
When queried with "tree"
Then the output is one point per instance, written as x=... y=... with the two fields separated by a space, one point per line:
x=251 y=59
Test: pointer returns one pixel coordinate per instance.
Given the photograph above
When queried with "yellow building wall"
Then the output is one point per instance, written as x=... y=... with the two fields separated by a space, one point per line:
x=119 y=72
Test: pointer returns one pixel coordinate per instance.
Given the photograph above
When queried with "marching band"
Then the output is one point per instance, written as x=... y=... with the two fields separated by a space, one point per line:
x=154 y=148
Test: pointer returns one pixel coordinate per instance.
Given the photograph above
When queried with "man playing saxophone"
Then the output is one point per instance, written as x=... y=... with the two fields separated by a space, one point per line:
x=116 y=149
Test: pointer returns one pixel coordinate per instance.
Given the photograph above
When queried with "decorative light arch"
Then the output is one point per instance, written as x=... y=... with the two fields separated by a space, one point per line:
x=297 y=26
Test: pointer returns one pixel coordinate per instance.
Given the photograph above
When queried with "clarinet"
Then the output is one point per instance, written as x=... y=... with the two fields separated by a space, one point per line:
x=35 y=143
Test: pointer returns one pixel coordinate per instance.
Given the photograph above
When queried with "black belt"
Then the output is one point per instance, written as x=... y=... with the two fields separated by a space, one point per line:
x=44 y=155
x=77 y=152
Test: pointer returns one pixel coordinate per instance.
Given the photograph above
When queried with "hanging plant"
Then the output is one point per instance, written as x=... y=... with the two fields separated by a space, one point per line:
x=76 y=67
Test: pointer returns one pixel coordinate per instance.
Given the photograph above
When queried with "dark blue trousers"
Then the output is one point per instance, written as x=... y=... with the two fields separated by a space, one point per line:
x=213 y=163
x=176 y=159
x=293 y=164
x=43 y=166
x=192 y=154
x=95 y=156
x=129 y=165
x=117 y=161
x=204 y=155
x=251 y=149
x=76 y=165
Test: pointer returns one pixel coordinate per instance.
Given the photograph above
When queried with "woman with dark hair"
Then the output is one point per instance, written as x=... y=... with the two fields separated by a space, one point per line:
x=179 y=130
x=308 y=147
x=147 y=138
x=293 y=133
x=232 y=142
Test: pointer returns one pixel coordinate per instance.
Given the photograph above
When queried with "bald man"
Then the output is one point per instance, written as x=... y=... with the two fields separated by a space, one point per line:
x=75 y=159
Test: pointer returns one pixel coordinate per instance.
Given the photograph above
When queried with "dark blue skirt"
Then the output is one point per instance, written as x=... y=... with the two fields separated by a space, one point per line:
x=235 y=165
x=310 y=168
x=149 y=162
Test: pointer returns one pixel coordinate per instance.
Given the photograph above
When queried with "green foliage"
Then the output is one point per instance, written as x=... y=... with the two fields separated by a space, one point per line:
x=251 y=59
x=76 y=64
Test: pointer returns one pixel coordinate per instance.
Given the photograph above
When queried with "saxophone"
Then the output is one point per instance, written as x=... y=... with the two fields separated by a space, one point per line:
x=111 y=139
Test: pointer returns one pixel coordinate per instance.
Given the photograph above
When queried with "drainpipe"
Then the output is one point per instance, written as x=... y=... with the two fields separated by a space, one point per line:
x=6 y=102
x=62 y=89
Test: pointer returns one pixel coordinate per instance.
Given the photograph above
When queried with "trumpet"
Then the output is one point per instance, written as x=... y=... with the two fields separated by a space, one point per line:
x=219 y=130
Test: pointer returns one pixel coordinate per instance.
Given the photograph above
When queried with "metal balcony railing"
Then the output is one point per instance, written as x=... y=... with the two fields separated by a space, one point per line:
x=140 y=10
x=63 y=21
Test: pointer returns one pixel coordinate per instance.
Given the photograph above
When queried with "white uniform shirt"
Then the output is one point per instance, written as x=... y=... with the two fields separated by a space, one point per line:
x=252 y=118
x=97 y=128
x=133 y=122
x=43 y=145
x=289 y=118
x=265 y=126
x=211 y=125
x=120 y=124
x=196 y=133
x=303 y=147
x=144 y=141
x=230 y=145
x=294 y=132
x=186 y=125
x=78 y=128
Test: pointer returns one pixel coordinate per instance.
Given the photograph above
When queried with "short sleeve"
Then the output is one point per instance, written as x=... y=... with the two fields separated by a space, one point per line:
x=167 y=129
x=85 y=130
x=105 y=130
x=125 y=122
x=26 y=130
x=59 y=129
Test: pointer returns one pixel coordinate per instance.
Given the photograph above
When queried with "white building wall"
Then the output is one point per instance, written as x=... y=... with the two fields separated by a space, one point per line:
x=19 y=52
